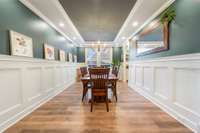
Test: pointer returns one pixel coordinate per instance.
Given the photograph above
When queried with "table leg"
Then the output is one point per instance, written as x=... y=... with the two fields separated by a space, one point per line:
x=85 y=89
x=114 y=85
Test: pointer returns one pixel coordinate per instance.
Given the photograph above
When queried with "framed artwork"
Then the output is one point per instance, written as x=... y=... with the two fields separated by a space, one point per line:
x=75 y=58
x=62 y=55
x=70 y=57
x=49 y=52
x=153 y=39
x=21 y=45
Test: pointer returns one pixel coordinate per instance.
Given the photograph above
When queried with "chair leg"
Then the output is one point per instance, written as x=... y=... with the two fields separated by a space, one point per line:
x=83 y=94
x=115 y=91
x=116 y=94
x=92 y=101
x=107 y=103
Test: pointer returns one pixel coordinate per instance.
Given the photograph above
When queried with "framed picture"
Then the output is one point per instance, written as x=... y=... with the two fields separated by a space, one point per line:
x=70 y=57
x=49 y=52
x=62 y=55
x=21 y=45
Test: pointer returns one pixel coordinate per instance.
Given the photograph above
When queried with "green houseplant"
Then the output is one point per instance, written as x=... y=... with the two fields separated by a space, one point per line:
x=115 y=63
x=168 y=16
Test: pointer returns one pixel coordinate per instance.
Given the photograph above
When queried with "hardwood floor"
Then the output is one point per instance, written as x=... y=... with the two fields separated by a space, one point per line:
x=67 y=114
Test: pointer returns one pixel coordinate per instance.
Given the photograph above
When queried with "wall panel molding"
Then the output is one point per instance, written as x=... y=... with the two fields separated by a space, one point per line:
x=27 y=83
x=175 y=85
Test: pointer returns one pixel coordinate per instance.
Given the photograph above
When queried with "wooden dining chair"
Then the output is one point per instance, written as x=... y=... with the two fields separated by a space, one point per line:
x=84 y=71
x=99 y=80
x=86 y=87
x=113 y=85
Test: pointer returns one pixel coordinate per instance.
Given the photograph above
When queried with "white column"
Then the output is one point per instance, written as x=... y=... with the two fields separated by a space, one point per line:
x=124 y=62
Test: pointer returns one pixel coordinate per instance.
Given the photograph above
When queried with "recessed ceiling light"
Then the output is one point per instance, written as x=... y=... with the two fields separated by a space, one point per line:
x=98 y=42
x=135 y=38
x=61 y=24
x=135 y=24
x=123 y=38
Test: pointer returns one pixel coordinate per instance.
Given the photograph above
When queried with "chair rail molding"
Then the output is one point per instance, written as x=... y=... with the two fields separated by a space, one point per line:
x=172 y=83
x=27 y=83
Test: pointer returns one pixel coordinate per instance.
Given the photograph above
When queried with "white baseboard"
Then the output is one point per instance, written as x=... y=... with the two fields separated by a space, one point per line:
x=28 y=110
x=27 y=83
x=172 y=83
x=189 y=124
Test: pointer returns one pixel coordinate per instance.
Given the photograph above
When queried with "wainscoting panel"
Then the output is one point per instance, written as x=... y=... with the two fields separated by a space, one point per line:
x=172 y=83
x=148 y=79
x=139 y=76
x=162 y=83
x=48 y=79
x=27 y=83
x=10 y=91
x=33 y=83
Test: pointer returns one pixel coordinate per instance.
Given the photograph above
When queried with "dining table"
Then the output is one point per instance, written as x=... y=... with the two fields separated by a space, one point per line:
x=112 y=79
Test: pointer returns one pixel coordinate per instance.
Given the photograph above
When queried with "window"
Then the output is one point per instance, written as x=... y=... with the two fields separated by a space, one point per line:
x=98 y=56
x=91 y=56
x=106 y=56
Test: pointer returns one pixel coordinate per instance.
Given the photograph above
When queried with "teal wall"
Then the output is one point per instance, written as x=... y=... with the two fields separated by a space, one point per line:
x=184 y=32
x=15 y=16
x=117 y=53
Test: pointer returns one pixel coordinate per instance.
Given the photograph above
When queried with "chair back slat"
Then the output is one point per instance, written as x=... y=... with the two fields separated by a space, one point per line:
x=99 y=77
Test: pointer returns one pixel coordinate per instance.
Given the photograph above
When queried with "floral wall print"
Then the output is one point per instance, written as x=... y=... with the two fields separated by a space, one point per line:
x=21 y=45
x=49 y=52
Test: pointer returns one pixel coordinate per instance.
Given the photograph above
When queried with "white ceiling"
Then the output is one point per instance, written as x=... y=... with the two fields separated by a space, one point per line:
x=54 y=14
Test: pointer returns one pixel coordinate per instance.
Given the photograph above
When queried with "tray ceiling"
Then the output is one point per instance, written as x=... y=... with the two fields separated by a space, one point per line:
x=88 y=21
x=98 y=19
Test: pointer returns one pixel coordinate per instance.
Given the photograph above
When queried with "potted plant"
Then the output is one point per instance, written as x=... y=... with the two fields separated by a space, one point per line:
x=168 y=16
x=116 y=64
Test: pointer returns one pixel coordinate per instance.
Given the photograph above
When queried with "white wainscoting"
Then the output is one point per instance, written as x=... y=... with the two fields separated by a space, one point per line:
x=27 y=83
x=172 y=83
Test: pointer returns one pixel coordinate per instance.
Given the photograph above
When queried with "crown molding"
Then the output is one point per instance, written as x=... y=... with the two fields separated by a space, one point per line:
x=159 y=11
x=42 y=16
x=114 y=43
x=137 y=5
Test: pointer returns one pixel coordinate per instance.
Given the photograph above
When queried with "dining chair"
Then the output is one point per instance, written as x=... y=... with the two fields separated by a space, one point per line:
x=99 y=78
x=84 y=71
x=113 y=85
x=86 y=87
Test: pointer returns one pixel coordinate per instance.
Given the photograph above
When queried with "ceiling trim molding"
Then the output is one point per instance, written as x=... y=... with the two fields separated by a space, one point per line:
x=67 y=18
x=36 y=11
x=159 y=11
x=134 y=9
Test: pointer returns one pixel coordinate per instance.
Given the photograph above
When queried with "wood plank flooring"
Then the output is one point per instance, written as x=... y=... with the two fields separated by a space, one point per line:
x=67 y=114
